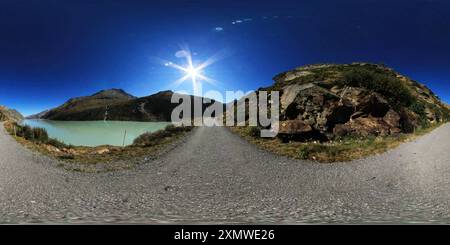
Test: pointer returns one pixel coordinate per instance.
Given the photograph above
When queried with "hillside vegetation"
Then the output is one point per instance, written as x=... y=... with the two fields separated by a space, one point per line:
x=358 y=105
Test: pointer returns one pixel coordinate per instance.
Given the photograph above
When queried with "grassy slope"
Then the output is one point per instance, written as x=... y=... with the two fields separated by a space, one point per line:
x=89 y=106
x=335 y=151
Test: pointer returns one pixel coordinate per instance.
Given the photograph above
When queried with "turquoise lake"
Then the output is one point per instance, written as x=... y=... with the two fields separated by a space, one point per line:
x=95 y=133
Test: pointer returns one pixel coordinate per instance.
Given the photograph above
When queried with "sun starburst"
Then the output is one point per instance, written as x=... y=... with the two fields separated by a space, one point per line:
x=192 y=72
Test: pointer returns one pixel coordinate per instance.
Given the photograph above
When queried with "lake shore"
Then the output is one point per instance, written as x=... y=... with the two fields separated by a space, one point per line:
x=95 y=133
x=105 y=157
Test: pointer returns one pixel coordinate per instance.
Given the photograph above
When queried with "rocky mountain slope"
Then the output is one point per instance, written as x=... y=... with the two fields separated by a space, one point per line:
x=76 y=108
x=115 y=105
x=9 y=114
x=328 y=101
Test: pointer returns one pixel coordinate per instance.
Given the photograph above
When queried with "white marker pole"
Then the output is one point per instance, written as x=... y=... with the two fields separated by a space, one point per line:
x=124 y=135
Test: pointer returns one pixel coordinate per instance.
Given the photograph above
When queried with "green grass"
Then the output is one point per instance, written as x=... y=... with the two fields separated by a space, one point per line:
x=372 y=79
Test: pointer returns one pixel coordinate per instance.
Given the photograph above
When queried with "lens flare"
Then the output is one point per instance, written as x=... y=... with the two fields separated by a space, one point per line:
x=192 y=72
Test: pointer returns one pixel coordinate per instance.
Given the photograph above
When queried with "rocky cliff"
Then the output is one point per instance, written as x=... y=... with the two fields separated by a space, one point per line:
x=328 y=101
x=9 y=114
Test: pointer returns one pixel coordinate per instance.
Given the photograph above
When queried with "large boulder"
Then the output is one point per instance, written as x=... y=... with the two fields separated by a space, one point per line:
x=298 y=130
x=290 y=92
x=392 y=118
x=310 y=107
x=294 y=127
x=363 y=127
x=374 y=105
x=309 y=103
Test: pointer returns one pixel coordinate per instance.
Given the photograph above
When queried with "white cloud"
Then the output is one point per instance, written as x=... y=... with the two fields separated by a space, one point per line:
x=181 y=54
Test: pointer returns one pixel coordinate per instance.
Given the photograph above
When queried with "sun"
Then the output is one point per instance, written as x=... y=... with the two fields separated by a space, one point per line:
x=191 y=72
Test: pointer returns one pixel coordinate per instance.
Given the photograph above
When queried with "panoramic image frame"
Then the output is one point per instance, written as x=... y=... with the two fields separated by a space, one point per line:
x=223 y=113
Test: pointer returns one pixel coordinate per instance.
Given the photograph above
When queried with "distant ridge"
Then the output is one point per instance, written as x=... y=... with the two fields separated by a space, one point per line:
x=115 y=105
x=39 y=115
x=113 y=93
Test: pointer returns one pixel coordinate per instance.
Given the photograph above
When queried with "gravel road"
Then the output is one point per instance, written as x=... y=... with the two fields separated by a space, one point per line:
x=217 y=177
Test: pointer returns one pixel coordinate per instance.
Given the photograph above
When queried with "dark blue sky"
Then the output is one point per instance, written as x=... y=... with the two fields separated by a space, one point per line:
x=53 y=50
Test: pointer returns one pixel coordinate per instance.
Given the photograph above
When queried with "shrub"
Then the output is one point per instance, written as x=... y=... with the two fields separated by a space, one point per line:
x=442 y=113
x=33 y=134
x=56 y=143
x=303 y=153
x=40 y=134
x=171 y=128
x=13 y=128
x=387 y=85
x=254 y=131
x=446 y=115
x=418 y=108
x=174 y=129
x=28 y=133
x=150 y=139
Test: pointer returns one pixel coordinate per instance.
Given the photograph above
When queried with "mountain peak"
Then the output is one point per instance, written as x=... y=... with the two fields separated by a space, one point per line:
x=113 y=93
x=165 y=92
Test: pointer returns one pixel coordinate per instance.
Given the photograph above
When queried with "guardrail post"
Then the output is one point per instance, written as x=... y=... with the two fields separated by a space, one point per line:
x=124 y=135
